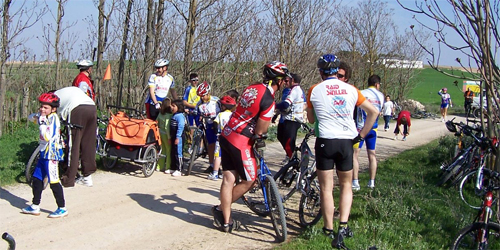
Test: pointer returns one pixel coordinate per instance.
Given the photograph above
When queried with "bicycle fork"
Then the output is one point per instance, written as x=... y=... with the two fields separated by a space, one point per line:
x=484 y=217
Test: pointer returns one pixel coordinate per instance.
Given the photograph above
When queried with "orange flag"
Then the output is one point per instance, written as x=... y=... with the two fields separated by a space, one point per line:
x=107 y=74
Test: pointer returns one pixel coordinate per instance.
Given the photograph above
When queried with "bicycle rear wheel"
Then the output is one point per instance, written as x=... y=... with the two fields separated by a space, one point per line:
x=254 y=199
x=276 y=206
x=310 y=203
x=471 y=237
x=284 y=179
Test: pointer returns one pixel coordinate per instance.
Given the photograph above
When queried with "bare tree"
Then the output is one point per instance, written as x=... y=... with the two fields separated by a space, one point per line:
x=123 y=52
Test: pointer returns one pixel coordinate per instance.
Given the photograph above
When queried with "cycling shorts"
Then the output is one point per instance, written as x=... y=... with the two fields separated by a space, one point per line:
x=238 y=156
x=332 y=153
x=49 y=168
x=193 y=120
x=370 y=139
x=444 y=105
x=210 y=129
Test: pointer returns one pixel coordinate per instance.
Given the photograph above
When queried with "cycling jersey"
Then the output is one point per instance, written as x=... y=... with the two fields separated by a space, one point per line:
x=445 y=99
x=376 y=98
x=222 y=119
x=296 y=101
x=50 y=138
x=209 y=109
x=190 y=96
x=161 y=86
x=333 y=102
x=83 y=82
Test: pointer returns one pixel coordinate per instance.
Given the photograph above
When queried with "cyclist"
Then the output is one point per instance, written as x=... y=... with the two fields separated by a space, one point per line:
x=160 y=84
x=345 y=72
x=82 y=80
x=469 y=99
x=50 y=155
x=191 y=98
x=376 y=98
x=445 y=102
x=251 y=119
x=330 y=106
x=208 y=108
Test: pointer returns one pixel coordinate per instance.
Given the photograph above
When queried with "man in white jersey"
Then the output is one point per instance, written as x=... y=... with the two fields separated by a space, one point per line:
x=376 y=98
x=160 y=84
x=330 y=106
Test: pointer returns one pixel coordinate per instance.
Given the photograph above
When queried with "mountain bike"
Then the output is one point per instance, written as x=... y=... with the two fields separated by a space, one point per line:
x=198 y=146
x=264 y=198
x=419 y=114
x=298 y=170
x=12 y=243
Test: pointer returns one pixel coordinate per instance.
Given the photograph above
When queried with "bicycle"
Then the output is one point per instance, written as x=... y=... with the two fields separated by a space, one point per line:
x=419 y=114
x=102 y=146
x=199 y=140
x=264 y=198
x=298 y=170
x=12 y=243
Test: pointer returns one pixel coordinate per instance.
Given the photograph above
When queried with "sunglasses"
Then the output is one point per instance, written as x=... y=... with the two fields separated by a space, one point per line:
x=340 y=76
x=194 y=80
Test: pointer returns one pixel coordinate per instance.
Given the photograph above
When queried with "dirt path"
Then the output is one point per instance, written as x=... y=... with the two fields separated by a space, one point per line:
x=124 y=210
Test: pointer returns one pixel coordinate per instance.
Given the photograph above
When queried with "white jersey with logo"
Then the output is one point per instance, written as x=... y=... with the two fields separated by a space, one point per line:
x=222 y=118
x=209 y=109
x=376 y=98
x=296 y=101
x=161 y=85
x=333 y=102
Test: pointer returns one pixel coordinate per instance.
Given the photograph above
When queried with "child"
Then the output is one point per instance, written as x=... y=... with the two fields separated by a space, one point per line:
x=208 y=108
x=228 y=104
x=164 y=125
x=177 y=123
x=50 y=155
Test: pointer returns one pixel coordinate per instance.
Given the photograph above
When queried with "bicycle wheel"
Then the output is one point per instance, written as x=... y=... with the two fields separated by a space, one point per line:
x=471 y=237
x=310 y=203
x=30 y=166
x=276 y=206
x=254 y=199
x=453 y=169
x=467 y=190
x=194 y=154
x=151 y=157
x=102 y=151
x=284 y=179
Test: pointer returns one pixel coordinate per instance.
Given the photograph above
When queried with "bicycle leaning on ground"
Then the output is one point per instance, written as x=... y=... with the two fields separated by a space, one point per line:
x=264 y=198
x=198 y=145
x=297 y=169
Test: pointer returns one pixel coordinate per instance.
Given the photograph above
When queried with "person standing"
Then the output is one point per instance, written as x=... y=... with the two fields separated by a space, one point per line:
x=376 y=98
x=78 y=108
x=345 y=72
x=445 y=102
x=177 y=123
x=163 y=119
x=248 y=123
x=82 y=80
x=469 y=99
x=190 y=99
x=50 y=156
x=387 y=111
x=160 y=84
x=404 y=118
x=330 y=106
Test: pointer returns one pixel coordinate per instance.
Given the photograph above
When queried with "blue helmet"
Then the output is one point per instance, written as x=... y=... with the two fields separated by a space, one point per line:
x=329 y=64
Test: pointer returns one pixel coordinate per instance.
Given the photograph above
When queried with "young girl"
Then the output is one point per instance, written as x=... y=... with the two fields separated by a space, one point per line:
x=177 y=123
x=164 y=125
x=50 y=155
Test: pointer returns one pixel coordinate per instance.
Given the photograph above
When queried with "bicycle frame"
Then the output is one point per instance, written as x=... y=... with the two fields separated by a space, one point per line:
x=262 y=171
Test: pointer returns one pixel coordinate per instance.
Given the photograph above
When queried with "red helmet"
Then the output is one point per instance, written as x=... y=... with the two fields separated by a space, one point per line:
x=50 y=99
x=203 y=89
x=227 y=100
x=275 y=69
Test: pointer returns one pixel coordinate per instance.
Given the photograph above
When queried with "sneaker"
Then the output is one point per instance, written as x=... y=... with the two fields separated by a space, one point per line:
x=33 y=209
x=218 y=217
x=169 y=171
x=209 y=170
x=372 y=186
x=395 y=137
x=229 y=228
x=86 y=181
x=385 y=129
x=59 y=213
x=176 y=173
x=404 y=138
x=220 y=174
x=338 y=242
x=442 y=120
x=355 y=187
x=213 y=177
x=329 y=233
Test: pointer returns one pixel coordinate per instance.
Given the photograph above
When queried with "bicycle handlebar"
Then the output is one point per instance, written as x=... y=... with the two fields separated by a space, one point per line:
x=12 y=243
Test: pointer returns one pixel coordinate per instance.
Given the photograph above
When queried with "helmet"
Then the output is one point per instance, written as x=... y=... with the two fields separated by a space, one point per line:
x=227 y=100
x=203 y=89
x=445 y=89
x=451 y=127
x=329 y=64
x=161 y=62
x=50 y=99
x=84 y=64
x=275 y=69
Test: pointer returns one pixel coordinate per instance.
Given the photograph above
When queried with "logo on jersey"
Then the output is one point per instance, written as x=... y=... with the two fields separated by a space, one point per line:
x=248 y=97
x=338 y=102
x=334 y=90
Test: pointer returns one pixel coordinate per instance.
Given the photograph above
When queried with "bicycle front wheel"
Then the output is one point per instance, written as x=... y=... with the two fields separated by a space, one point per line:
x=30 y=166
x=310 y=203
x=194 y=155
x=276 y=206
x=478 y=236
x=254 y=199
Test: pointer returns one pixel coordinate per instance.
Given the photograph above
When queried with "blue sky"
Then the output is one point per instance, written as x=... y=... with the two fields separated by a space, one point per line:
x=77 y=10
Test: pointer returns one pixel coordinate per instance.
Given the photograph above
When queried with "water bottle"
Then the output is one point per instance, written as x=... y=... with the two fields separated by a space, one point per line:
x=33 y=117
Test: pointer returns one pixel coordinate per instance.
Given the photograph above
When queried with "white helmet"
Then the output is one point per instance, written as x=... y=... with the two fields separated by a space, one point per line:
x=161 y=62
x=84 y=64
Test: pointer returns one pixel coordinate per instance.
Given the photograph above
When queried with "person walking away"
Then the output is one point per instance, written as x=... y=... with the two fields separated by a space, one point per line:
x=445 y=102
x=77 y=108
x=50 y=155
x=208 y=108
x=159 y=84
x=190 y=99
x=177 y=124
x=163 y=119
x=249 y=121
x=404 y=119
x=280 y=128
x=82 y=80
x=330 y=106
x=387 y=111
x=469 y=99
x=376 y=98
x=228 y=104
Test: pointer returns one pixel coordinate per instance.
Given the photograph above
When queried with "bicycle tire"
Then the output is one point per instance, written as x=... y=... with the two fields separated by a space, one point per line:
x=285 y=177
x=102 y=151
x=30 y=168
x=277 y=210
x=151 y=158
x=453 y=170
x=467 y=189
x=310 y=202
x=468 y=236
x=194 y=156
x=254 y=199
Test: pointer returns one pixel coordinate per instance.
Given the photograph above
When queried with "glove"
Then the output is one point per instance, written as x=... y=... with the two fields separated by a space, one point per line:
x=42 y=119
x=451 y=105
x=357 y=139
x=157 y=105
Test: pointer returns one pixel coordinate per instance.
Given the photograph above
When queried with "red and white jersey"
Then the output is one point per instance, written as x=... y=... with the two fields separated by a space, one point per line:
x=256 y=102
x=333 y=102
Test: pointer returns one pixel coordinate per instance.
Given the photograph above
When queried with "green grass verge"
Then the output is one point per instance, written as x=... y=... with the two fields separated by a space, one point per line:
x=405 y=210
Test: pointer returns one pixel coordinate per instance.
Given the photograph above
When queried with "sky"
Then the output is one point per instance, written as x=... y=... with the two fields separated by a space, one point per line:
x=77 y=10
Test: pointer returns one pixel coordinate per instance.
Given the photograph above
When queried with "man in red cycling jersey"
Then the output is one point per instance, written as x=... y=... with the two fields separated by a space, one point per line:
x=82 y=80
x=250 y=120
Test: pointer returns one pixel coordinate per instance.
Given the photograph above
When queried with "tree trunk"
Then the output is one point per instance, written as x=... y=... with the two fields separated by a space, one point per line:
x=4 y=55
x=158 y=29
x=60 y=14
x=25 y=101
x=189 y=42
x=148 y=50
x=123 y=52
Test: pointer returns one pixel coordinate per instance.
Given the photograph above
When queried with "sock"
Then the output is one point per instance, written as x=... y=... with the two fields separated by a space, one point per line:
x=371 y=182
x=215 y=173
x=355 y=182
x=343 y=224
x=35 y=206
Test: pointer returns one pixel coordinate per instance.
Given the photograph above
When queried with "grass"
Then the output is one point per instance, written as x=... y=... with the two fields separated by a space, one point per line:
x=405 y=211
